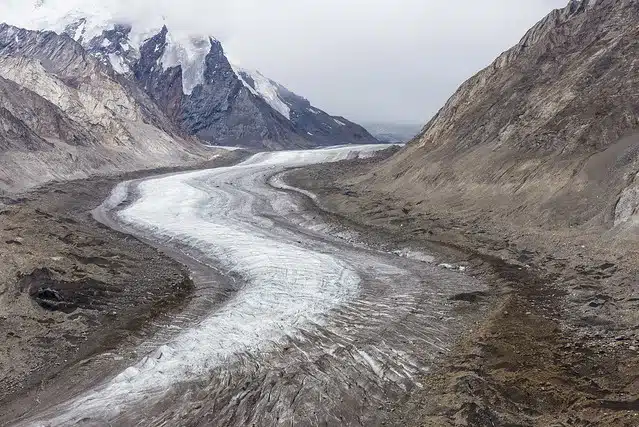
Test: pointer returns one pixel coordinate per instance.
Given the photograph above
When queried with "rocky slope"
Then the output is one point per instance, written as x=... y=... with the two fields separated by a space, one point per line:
x=544 y=136
x=532 y=167
x=67 y=115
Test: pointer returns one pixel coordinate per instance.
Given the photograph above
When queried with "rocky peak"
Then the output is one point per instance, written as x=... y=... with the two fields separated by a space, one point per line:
x=164 y=85
x=113 y=47
x=76 y=29
x=216 y=62
x=153 y=48
x=578 y=6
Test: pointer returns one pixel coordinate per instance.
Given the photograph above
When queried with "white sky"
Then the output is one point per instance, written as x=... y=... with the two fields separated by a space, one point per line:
x=369 y=60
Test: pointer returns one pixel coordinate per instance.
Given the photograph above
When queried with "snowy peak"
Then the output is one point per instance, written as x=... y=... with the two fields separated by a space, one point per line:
x=189 y=77
x=121 y=45
x=265 y=88
x=112 y=46
x=307 y=120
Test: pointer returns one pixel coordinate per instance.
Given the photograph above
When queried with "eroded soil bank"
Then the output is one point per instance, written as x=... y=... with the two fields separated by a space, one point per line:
x=559 y=344
x=72 y=290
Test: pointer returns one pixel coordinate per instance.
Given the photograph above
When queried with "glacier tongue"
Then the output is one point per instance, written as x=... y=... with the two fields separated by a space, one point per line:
x=289 y=287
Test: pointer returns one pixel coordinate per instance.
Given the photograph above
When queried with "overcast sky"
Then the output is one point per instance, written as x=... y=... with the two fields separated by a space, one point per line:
x=369 y=60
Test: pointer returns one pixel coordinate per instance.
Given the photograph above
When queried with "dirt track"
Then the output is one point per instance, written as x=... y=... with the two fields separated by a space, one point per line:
x=559 y=346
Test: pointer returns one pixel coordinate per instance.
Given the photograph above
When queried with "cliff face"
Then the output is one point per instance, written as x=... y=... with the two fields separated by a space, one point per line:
x=546 y=134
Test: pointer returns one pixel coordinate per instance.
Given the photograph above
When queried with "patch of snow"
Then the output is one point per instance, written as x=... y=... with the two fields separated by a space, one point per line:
x=118 y=64
x=309 y=133
x=419 y=256
x=339 y=122
x=190 y=55
x=313 y=110
x=265 y=88
x=79 y=32
x=106 y=43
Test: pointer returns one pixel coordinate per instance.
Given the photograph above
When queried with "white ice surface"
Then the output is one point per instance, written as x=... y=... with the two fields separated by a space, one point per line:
x=288 y=286
x=190 y=54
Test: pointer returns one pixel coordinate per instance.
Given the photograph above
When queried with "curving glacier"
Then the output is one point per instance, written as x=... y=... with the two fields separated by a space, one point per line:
x=310 y=312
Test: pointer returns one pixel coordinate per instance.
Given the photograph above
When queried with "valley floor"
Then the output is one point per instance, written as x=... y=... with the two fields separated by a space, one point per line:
x=558 y=345
x=552 y=341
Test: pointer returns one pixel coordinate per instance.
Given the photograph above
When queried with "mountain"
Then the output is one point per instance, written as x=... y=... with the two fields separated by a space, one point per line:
x=546 y=135
x=191 y=80
x=315 y=124
x=393 y=132
x=84 y=92
x=66 y=115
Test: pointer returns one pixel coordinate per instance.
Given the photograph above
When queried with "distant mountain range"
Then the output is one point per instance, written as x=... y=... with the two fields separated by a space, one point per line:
x=393 y=132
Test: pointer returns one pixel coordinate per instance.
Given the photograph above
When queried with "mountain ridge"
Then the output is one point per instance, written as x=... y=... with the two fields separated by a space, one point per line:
x=68 y=116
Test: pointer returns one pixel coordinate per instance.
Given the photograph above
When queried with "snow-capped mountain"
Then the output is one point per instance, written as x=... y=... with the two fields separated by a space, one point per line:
x=308 y=120
x=192 y=81
x=65 y=114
